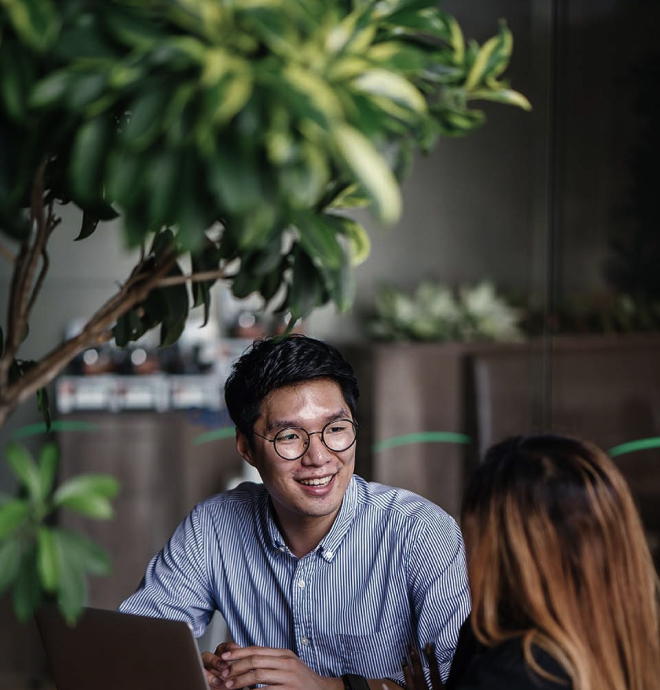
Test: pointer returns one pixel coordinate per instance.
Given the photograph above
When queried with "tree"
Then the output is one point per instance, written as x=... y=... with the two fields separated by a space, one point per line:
x=231 y=137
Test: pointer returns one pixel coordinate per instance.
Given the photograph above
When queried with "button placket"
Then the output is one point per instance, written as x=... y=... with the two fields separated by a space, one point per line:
x=301 y=582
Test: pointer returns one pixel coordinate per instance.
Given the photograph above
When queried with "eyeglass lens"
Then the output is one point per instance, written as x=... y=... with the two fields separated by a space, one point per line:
x=338 y=435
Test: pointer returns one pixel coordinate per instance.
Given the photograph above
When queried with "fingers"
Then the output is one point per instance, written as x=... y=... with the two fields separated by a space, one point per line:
x=226 y=647
x=237 y=652
x=215 y=667
x=260 y=665
x=436 y=681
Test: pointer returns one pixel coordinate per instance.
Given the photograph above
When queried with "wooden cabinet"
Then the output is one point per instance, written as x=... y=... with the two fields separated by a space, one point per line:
x=163 y=472
x=604 y=388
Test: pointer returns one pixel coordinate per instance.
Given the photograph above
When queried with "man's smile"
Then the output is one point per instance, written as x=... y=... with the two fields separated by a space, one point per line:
x=316 y=481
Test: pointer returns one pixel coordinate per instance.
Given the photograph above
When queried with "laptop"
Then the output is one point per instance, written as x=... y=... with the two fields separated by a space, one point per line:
x=108 y=650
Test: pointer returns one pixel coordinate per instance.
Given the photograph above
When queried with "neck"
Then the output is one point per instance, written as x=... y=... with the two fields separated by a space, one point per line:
x=303 y=534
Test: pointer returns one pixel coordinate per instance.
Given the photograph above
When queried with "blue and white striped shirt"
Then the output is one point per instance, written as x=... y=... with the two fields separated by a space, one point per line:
x=391 y=571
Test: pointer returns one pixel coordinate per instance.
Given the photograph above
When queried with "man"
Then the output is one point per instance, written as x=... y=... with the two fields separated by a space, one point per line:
x=324 y=580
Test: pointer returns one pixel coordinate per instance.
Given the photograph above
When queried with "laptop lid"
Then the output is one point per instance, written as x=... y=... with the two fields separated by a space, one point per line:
x=108 y=650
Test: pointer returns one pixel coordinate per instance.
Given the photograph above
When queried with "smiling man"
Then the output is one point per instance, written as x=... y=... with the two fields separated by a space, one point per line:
x=324 y=579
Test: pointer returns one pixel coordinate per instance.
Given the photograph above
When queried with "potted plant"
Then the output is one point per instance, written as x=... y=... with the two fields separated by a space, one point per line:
x=232 y=139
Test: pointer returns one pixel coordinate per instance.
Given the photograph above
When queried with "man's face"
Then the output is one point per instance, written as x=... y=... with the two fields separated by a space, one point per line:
x=312 y=486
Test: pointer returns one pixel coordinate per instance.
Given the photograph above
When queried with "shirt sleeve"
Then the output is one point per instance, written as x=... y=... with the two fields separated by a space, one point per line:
x=176 y=583
x=439 y=590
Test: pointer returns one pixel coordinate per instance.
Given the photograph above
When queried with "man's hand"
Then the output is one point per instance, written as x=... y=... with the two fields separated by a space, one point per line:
x=243 y=667
x=215 y=665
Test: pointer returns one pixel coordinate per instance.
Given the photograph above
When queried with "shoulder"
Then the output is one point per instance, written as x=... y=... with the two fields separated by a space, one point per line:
x=404 y=508
x=247 y=498
x=503 y=667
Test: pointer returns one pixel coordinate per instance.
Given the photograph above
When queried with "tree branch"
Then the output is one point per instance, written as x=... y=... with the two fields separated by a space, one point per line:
x=25 y=265
x=6 y=254
x=192 y=278
x=97 y=330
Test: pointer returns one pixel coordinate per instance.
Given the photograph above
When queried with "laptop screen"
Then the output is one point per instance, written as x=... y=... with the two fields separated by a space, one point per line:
x=108 y=650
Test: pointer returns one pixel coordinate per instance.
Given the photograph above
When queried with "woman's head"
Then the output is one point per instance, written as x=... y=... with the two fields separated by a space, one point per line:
x=557 y=553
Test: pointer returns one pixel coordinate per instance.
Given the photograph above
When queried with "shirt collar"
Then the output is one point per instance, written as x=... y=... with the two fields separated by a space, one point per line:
x=328 y=546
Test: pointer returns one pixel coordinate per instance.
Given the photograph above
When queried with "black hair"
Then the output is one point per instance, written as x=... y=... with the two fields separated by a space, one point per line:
x=272 y=363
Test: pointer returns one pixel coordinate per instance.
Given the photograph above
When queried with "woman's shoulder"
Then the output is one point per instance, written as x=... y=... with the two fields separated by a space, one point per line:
x=502 y=667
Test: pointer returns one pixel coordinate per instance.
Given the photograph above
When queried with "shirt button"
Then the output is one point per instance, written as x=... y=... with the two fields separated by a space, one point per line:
x=301 y=584
x=304 y=641
x=282 y=549
x=328 y=554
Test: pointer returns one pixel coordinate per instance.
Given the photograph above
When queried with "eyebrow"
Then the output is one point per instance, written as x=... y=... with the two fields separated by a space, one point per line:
x=283 y=423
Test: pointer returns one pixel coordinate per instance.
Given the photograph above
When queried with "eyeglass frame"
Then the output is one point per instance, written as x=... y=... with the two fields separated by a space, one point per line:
x=309 y=436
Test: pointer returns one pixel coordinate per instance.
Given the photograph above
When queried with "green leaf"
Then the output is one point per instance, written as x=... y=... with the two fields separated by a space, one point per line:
x=303 y=181
x=87 y=226
x=305 y=291
x=25 y=469
x=88 y=494
x=86 y=89
x=244 y=283
x=88 y=159
x=128 y=27
x=91 y=505
x=226 y=91
x=10 y=557
x=129 y=327
x=13 y=514
x=359 y=242
x=47 y=559
x=49 y=457
x=125 y=182
x=318 y=239
x=17 y=67
x=164 y=174
x=419 y=23
x=491 y=60
x=72 y=590
x=506 y=96
x=340 y=284
x=349 y=196
x=43 y=406
x=390 y=86
x=272 y=282
x=371 y=170
x=35 y=21
x=234 y=178
x=192 y=207
x=308 y=95
x=146 y=119
x=52 y=90
x=177 y=300
x=27 y=589
x=81 y=552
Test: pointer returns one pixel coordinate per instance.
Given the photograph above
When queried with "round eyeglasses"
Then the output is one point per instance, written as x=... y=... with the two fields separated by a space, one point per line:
x=292 y=442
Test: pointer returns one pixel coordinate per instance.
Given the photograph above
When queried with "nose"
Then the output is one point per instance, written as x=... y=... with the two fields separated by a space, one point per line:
x=316 y=453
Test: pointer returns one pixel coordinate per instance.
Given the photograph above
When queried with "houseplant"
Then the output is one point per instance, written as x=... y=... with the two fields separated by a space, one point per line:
x=231 y=138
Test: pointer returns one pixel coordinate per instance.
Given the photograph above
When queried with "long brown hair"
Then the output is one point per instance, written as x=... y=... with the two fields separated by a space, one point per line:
x=557 y=555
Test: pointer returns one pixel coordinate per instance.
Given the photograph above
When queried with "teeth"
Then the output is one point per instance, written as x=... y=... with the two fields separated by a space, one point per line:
x=321 y=481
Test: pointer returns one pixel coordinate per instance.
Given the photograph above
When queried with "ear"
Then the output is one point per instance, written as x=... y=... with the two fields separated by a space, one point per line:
x=244 y=448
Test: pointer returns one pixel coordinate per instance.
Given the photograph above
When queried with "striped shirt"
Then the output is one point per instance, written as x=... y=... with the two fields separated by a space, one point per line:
x=390 y=572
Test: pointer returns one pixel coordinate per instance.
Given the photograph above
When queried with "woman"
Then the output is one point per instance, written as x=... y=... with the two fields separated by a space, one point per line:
x=564 y=592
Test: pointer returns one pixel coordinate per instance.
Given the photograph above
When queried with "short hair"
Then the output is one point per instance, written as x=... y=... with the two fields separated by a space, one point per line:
x=277 y=362
x=557 y=554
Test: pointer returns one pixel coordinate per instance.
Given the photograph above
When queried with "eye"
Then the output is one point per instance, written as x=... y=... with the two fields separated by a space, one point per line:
x=338 y=427
x=288 y=436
